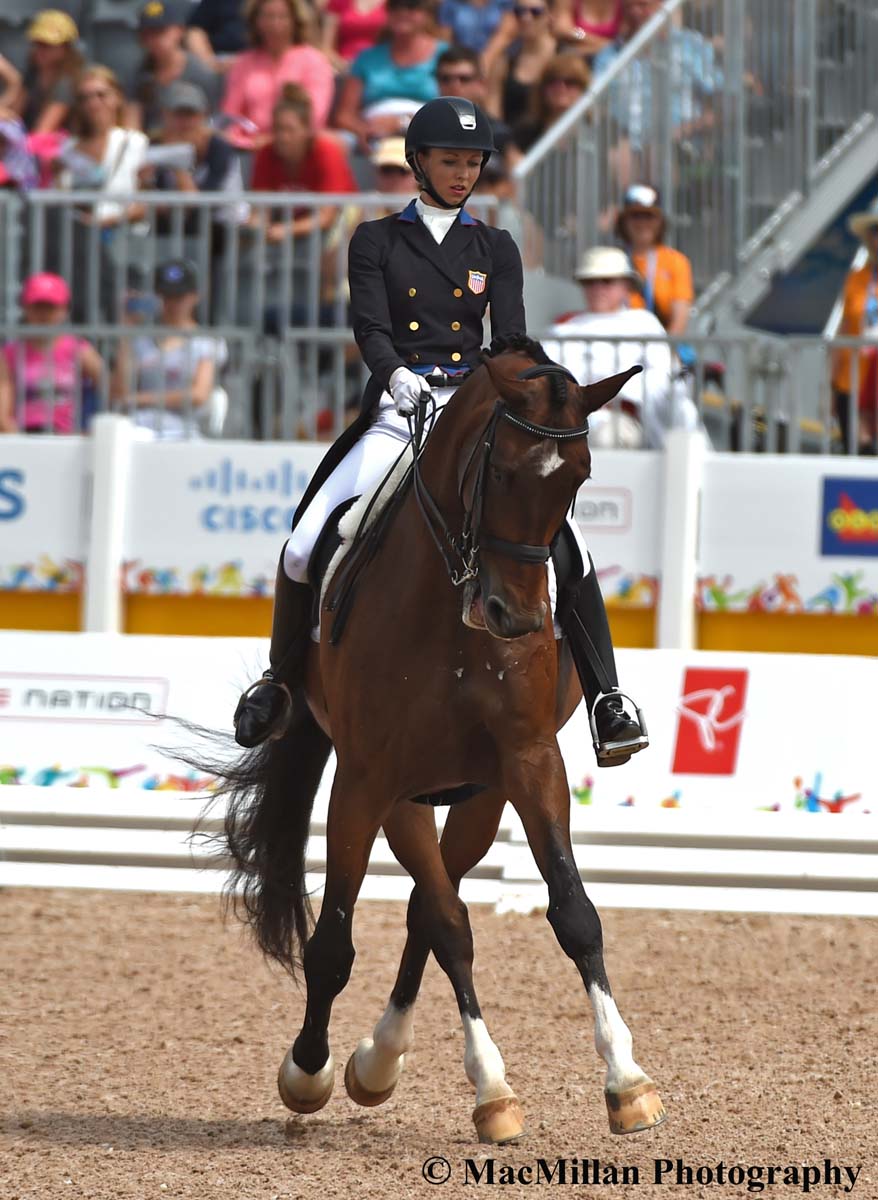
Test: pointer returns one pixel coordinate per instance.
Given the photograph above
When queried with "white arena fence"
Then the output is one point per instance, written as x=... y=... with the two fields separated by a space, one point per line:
x=714 y=816
x=138 y=841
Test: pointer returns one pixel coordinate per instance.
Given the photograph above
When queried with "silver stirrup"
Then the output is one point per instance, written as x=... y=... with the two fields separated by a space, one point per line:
x=614 y=754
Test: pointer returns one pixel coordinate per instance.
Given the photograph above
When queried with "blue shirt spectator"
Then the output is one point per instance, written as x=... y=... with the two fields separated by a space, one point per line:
x=693 y=76
x=472 y=25
x=383 y=79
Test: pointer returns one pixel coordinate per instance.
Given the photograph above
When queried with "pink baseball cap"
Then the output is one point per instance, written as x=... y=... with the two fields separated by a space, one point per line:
x=45 y=289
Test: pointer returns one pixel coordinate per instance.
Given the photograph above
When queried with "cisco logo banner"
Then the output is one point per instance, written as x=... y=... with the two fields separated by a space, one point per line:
x=244 y=500
x=211 y=519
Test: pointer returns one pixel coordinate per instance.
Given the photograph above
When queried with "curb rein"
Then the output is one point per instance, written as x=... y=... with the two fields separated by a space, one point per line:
x=472 y=539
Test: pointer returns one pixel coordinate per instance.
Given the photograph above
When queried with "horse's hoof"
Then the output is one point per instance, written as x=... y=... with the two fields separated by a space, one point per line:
x=303 y=1093
x=635 y=1109
x=358 y=1093
x=499 y=1121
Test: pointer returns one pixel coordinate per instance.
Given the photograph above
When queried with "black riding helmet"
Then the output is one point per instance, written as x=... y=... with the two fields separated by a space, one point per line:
x=447 y=123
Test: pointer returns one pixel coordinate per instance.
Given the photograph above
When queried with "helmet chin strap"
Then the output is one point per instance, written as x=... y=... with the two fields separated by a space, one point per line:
x=423 y=179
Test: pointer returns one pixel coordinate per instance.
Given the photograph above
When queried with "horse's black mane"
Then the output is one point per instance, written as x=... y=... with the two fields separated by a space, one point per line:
x=520 y=343
x=517 y=343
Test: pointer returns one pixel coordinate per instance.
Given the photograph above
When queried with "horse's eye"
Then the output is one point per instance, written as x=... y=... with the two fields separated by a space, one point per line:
x=498 y=476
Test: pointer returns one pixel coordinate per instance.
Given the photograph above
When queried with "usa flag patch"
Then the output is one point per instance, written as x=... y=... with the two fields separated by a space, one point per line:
x=476 y=282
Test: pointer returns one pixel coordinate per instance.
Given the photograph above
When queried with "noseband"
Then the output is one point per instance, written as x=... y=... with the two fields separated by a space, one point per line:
x=465 y=550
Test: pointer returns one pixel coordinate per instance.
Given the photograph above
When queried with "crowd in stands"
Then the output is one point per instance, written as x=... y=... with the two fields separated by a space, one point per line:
x=230 y=97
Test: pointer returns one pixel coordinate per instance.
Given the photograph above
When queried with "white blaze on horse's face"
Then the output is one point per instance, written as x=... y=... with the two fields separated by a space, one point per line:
x=547 y=457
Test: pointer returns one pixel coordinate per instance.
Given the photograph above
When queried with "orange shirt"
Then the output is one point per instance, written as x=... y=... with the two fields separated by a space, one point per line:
x=672 y=281
x=856 y=292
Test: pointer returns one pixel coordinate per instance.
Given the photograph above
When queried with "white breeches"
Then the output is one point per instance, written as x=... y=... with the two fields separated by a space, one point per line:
x=359 y=471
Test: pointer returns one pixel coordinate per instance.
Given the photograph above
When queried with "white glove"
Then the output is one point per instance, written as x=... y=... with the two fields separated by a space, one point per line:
x=408 y=390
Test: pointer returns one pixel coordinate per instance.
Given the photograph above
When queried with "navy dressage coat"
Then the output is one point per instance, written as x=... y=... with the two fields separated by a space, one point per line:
x=420 y=304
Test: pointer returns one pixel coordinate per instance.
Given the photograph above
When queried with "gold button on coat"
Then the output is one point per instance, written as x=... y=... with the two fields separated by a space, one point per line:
x=455 y=357
x=414 y=325
x=455 y=325
x=413 y=291
x=458 y=292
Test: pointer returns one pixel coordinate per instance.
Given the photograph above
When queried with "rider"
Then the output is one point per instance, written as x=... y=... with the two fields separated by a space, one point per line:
x=420 y=282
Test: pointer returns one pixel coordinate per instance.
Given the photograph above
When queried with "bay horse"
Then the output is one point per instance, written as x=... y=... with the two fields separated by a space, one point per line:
x=438 y=691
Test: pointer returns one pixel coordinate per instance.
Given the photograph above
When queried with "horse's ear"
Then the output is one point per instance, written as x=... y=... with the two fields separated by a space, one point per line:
x=596 y=395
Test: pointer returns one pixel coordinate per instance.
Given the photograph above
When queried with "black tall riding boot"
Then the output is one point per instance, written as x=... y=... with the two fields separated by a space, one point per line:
x=265 y=708
x=583 y=617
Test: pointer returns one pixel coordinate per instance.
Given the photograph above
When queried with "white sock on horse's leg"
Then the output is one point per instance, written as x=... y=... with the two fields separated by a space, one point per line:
x=612 y=1039
x=379 y=1060
x=483 y=1062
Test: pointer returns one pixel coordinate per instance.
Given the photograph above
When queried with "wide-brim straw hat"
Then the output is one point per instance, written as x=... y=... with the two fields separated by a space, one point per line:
x=606 y=262
x=860 y=223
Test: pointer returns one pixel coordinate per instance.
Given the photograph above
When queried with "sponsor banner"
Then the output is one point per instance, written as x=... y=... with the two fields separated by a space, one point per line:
x=42 y=512
x=850 y=517
x=788 y=534
x=211 y=517
x=116 y=699
x=730 y=733
x=619 y=513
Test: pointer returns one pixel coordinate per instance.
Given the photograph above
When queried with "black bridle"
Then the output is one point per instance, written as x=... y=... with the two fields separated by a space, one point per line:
x=472 y=540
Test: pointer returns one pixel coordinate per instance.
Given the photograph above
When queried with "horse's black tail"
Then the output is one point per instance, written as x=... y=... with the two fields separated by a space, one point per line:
x=269 y=795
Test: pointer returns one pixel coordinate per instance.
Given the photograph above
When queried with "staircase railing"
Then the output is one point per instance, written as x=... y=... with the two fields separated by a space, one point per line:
x=734 y=109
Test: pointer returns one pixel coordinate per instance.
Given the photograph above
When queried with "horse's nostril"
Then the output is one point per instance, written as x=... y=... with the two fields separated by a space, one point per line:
x=496 y=611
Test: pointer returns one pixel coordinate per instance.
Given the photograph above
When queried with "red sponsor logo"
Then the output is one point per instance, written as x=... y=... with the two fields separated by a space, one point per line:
x=710 y=716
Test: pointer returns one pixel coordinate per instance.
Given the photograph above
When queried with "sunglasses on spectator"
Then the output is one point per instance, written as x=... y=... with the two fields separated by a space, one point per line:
x=389 y=169
x=602 y=282
x=391 y=4
x=457 y=77
x=96 y=95
x=524 y=10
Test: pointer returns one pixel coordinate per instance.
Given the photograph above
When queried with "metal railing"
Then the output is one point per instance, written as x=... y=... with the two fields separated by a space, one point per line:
x=733 y=108
x=756 y=394
x=250 y=275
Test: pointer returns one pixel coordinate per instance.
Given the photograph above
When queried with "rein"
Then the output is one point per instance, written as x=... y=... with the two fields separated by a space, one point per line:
x=461 y=554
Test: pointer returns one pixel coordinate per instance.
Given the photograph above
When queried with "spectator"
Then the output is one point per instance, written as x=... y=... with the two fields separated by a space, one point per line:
x=651 y=403
x=215 y=166
x=588 y=25
x=49 y=82
x=48 y=378
x=693 y=77
x=389 y=82
x=564 y=80
x=459 y=73
x=666 y=273
x=165 y=382
x=859 y=318
x=166 y=61
x=217 y=32
x=278 y=31
x=103 y=155
x=474 y=24
x=18 y=165
x=10 y=83
x=393 y=175
x=351 y=26
x=297 y=160
x=515 y=72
